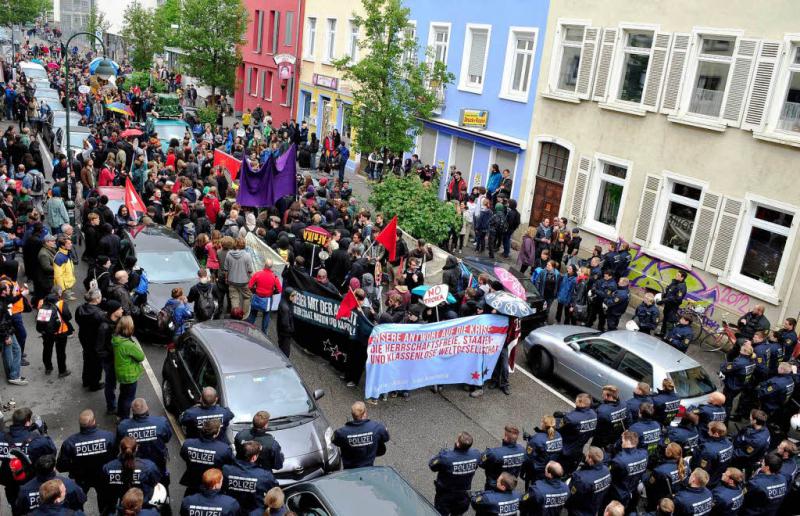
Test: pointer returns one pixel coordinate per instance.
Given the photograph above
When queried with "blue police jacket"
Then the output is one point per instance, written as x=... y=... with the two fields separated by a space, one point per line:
x=507 y=457
x=271 y=456
x=776 y=356
x=633 y=406
x=764 y=495
x=545 y=497
x=495 y=503
x=727 y=500
x=192 y=420
x=649 y=433
x=775 y=392
x=540 y=450
x=789 y=470
x=627 y=468
x=750 y=445
x=714 y=454
x=247 y=482
x=693 y=500
x=738 y=373
x=202 y=454
x=666 y=405
x=680 y=336
x=152 y=433
x=28 y=497
x=360 y=442
x=612 y=419
x=647 y=316
x=576 y=428
x=209 y=502
x=664 y=480
x=455 y=468
x=672 y=299
x=588 y=490
x=604 y=288
x=145 y=476
x=685 y=434
x=788 y=338
x=763 y=354
x=84 y=454
x=617 y=302
x=55 y=510
x=28 y=440
x=708 y=413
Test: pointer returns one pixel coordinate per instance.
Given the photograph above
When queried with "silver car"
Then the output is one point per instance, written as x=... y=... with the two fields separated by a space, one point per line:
x=588 y=359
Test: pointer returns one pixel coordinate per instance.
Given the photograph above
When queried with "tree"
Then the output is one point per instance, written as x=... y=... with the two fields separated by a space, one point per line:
x=393 y=92
x=21 y=12
x=138 y=28
x=214 y=28
x=96 y=23
x=167 y=15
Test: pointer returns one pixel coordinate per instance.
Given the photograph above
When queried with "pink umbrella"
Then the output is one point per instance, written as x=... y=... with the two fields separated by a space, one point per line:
x=510 y=282
x=52 y=65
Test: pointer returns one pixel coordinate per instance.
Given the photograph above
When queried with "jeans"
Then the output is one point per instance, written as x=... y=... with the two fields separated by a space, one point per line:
x=111 y=384
x=19 y=330
x=506 y=244
x=341 y=172
x=12 y=357
x=480 y=239
x=60 y=343
x=127 y=393
x=254 y=315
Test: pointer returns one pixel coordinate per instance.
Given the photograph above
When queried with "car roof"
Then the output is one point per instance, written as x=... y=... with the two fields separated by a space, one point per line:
x=237 y=346
x=155 y=237
x=651 y=349
x=170 y=121
x=30 y=64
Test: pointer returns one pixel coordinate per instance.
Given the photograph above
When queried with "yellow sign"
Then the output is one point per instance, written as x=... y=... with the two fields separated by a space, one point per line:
x=475 y=118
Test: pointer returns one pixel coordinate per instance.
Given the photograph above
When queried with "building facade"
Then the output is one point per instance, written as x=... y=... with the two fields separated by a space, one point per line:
x=325 y=97
x=270 y=65
x=485 y=115
x=675 y=130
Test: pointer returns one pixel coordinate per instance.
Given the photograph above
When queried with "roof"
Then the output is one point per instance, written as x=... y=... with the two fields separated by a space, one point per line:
x=651 y=349
x=156 y=238
x=238 y=346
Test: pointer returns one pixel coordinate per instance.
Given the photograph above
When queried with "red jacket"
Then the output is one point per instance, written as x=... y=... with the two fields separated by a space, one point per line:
x=106 y=177
x=212 y=208
x=265 y=283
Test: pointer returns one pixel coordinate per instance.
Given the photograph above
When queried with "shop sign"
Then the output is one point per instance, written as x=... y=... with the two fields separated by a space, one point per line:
x=474 y=118
x=326 y=81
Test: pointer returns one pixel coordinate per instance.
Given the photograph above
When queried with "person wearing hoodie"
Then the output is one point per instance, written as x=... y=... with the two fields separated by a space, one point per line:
x=181 y=311
x=368 y=284
x=238 y=269
x=89 y=316
x=482 y=225
x=498 y=225
x=451 y=274
x=128 y=358
x=55 y=211
x=204 y=295
x=286 y=321
x=44 y=273
x=64 y=267
x=249 y=224
x=578 y=301
x=565 y=289
x=527 y=251
x=547 y=281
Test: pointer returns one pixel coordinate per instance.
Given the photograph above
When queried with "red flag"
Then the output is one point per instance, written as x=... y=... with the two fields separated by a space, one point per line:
x=133 y=201
x=349 y=303
x=388 y=237
x=227 y=161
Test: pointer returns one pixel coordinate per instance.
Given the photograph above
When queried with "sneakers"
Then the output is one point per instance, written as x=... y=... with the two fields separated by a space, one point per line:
x=351 y=384
x=65 y=374
x=48 y=371
x=24 y=363
x=18 y=381
x=372 y=401
x=477 y=393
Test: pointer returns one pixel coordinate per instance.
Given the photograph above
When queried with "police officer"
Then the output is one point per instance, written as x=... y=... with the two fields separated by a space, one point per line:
x=204 y=453
x=603 y=290
x=52 y=495
x=728 y=495
x=271 y=456
x=775 y=393
x=360 y=440
x=647 y=430
x=713 y=410
x=245 y=480
x=666 y=403
x=616 y=303
x=508 y=457
x=666 y=479
x=776 y=353
x=455 y=470
x=680 y=335
x=612 y=418
x=765 y=491
x=45 y=469
x=209 y=500
x=127 y=471
x=84 y=454
x=192 y=418
x=786 y=451
x=738 y=375
x=25 y=436
x=685 y=434
x=500 y=499
x=152 y=433
x=751 y=443
x=543 y=447
x=594 y=294
x=787 y=336
x=547 y=496
x=714 y=453
x=763 y=355
x=672 y=298
x=641 y=393
x=576 y=428
x=695 y=498
x=589 y=485
x=627 y=468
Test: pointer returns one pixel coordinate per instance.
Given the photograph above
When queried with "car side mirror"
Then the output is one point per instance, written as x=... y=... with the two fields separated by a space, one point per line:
x=574 y=346
x=319 y=393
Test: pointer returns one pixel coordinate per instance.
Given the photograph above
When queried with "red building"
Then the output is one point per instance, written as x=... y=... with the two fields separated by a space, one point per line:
x=270 y=71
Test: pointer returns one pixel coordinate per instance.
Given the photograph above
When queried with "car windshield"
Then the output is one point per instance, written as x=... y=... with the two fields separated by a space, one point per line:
x=168 y=266
x=76 y=139
x=693 y=382
x=168 y=132
x=278 y=391
x=34 y=72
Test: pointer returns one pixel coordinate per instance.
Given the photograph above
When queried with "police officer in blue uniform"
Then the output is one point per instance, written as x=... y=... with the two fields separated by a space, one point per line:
x=729 y=495
x=127 y=471
x=714 y=453
x=360 y=440
x=455 y=470
x=84 y=454
x=787 y=451
x=192 y=418
x=641 y=393
x=666 y=403
x=647 y=430
x=508 y=457
x=595 y=293
x=763 y=355
x=501 y=499
x=603 y=289
x=25 y=436
x=751 y=443
x=672 y=298
x=616 y=303
x=774 y=394
x=777 y=353
x=245 y=480
x=695 y=498
x=52 y=495
x=152 y=433
x=589 y=485
x=713 y=410
x=203 y=453
x=787 y=337
x=209 y=500
x=738 y=375
x=45 y=469
x=547 y=496
x=543 y=447
x=765 y=491
x=271 y=456
x=685 y=434
x=647 y=314
x=666 y=479
x=612 y=418
x=576 y=428
x=627 y=468
x=680 y=335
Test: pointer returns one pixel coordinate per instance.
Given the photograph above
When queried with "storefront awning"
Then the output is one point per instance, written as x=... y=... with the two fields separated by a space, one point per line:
x=488 y=138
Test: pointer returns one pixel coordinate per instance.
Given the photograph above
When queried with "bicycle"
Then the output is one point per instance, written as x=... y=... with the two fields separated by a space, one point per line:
x=719 y=339
x=722 y=339
x=695 y=314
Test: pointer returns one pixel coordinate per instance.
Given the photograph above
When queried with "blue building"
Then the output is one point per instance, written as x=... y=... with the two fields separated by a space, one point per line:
x=494 y=50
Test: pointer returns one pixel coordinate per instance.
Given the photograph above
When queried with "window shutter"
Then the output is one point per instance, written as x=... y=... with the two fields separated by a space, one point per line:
x=740 y=80
x=287 y=40
x=647 y=208
x=760 y=90
x=275 y=29
x=604 y=63
x=727 y=228
x=247 y=72
x=677 y=64
x=655 y=74
x=477 y=52
x=586 y=67
x=704 y=229
x=581 y=186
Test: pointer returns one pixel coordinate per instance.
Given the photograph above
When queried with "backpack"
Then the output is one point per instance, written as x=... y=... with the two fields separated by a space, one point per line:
x=37 y=184
x=188 y=233
x=165 y=318
x=91 y=282
x=48 y=319
x=206 y=305
x=144 y=284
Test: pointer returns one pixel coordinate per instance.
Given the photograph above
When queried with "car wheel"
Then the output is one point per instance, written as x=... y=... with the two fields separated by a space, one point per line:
x=166 y=393
x=541 y=362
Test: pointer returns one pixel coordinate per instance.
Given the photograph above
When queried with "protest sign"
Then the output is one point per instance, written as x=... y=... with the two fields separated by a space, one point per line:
x=435 y=295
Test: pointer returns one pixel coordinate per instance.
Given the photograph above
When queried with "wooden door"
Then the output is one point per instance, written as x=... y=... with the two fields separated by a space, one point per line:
x=546 y=200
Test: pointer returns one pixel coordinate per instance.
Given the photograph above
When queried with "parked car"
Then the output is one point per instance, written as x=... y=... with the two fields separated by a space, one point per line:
x=77 y=135
x=169 y=128
x=588 y=359
x=250 y=374
x=33 y=70
x=378 y=490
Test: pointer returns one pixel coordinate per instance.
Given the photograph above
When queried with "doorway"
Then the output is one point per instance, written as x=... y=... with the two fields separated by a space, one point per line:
x=550 y=176
x=325 y=117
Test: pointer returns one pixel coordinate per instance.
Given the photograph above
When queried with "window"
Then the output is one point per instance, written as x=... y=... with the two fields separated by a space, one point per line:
x=441 y=42
x=330 y=49
x=253 y=81
x=268 y=86
x=713 y=67
x=306 y=107
x=193 y=355
x=410 y=34
x=473 y=63
x=347 y=127
x=789 y=118
x=519 y=64
x=553 y=160
x=609 y=195
x=262 y=82
x=766 y=232
x=276 y=25
x=311 y=37
x=636 y=368
x=258 y=30
x=678 y=211
x=306 y=503
x=287 y=34
x=570 y=58
x=636 y=57
x=352 y=50
x=601 y=350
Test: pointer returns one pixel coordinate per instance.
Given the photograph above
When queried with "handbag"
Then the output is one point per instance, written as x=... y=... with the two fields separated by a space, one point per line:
x=260 y=303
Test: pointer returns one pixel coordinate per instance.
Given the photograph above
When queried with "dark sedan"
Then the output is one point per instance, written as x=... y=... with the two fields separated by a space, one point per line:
x=250 y=374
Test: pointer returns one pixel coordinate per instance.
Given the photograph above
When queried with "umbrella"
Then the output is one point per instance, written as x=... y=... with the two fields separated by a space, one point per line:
x=508 y=304
x=510 y=282
x=52 y=65
x=119 y=107
x=93 y=64
x=130 y=132
x=420 y=291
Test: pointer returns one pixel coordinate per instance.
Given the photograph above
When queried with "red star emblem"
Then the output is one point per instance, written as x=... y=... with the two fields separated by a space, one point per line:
x=476 y=375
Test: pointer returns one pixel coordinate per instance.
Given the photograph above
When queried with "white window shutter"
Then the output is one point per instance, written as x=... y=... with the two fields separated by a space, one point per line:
x=725 y=235
x=679 y=55
x=647 y=209
x=581 y=187
x=704 y=229
x=586 y=66
x=604 y=65
x=740 y=81
x=655 y=73
x=477 y=51
x=755 y=113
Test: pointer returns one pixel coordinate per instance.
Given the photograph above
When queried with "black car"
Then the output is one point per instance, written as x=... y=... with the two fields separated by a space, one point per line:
x=480 y=265
x=250 y=374
x=378 y=490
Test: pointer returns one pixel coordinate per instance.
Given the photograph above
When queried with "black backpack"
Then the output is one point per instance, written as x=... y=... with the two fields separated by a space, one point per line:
x=48 y=319
x=165 y=318
x=37 y=184
x=206 y=305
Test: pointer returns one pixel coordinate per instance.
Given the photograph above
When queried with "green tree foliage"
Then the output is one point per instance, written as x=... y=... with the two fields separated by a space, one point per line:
x=20 y=12
x=214 y=29
x=96 y=23
x=167 y=15
x=393 y=91
x=417 y=206
x=143 y=80
x=138 y=28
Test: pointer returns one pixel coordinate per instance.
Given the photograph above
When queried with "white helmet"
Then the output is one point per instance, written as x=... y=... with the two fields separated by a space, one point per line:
x=631 y=325
x=795 y=422
x=657 y=297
